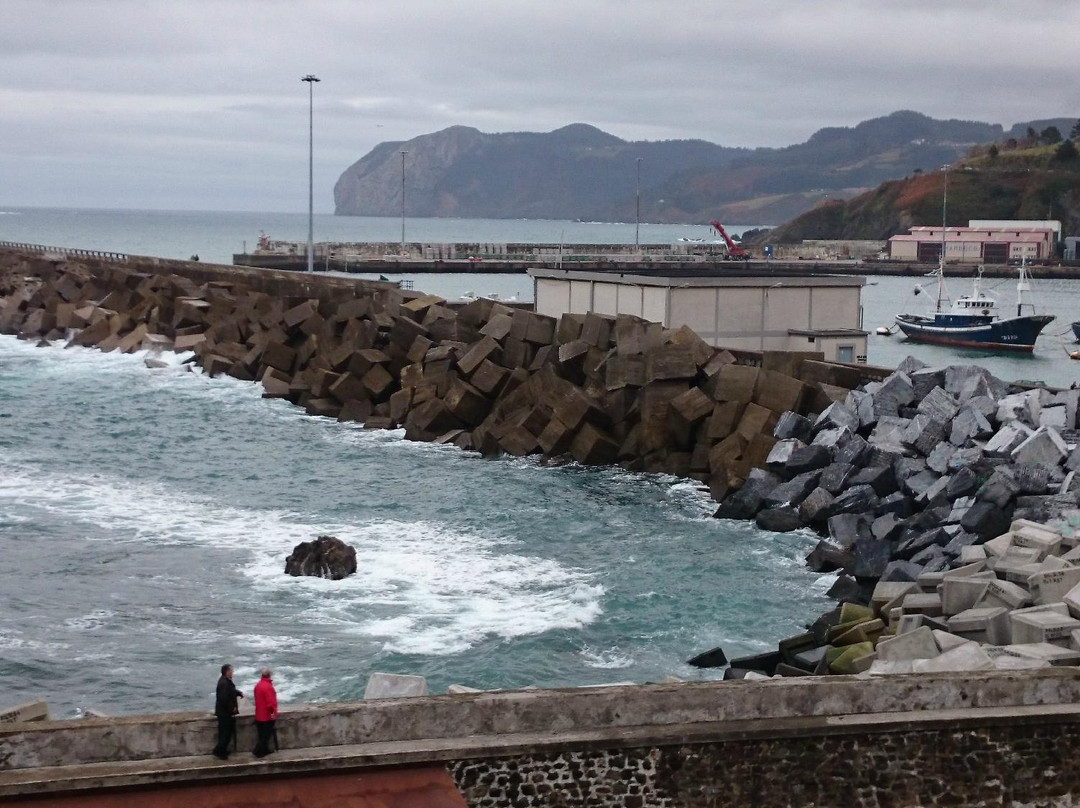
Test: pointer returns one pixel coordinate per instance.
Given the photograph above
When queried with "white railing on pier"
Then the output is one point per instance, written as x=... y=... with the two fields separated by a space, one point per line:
x=104 y=255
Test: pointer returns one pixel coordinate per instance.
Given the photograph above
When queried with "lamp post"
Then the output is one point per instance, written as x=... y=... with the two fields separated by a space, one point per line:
x=403 y=153
x=637 y=214
x=310 y=79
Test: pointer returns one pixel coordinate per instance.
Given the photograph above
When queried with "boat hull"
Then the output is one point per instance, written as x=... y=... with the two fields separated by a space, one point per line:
x=1076 y=330
x=1016 y=334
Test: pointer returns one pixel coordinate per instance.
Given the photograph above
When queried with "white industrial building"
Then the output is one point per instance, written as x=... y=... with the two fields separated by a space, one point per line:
x=730 y=308
x=983 y=241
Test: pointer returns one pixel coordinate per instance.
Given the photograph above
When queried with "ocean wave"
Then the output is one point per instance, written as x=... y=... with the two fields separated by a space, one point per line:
x=421 y=588
x=608 y=659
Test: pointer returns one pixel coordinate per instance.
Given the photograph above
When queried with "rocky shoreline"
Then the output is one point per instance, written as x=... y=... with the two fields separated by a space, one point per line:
x=910 y=475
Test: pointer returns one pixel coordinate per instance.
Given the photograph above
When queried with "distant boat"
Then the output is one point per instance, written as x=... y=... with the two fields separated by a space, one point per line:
x=1076 y=330
x=973 y=321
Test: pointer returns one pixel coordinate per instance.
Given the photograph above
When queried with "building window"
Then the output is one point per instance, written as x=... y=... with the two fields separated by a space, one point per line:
x=845 y=353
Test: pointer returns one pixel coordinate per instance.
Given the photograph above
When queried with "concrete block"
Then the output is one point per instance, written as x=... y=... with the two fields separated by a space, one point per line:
x=395 y=686
x=885 y=592
x=1027 y=536
x=999 y=546
x=958 y=594
x=21 y=713
x=1052 y=586
x=971 y=554
x=917 y=644
x=967 y=657
x=1006 y=662
x=1047 y=652
x=1005 y=593
x=458 y=690
x=882 y=667
x=1042 y=627
x=927 y=604
x=1072 y=601
x=946 y=640
x=991 y=623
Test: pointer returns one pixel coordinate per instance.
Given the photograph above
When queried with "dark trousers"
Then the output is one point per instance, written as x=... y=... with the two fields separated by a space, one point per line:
x=265 y=729
x=226 y=729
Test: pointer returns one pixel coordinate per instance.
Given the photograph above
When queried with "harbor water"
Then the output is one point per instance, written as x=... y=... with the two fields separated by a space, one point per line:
x=145 y=517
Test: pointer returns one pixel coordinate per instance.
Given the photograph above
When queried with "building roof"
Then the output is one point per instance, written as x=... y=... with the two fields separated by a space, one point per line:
x=955 y=234
x=702 y=277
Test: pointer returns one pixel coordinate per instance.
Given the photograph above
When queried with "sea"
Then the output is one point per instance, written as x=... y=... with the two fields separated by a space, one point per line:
x=146 y=514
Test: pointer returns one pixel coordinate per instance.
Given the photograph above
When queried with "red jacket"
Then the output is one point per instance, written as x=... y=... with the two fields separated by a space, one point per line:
x=265 y=701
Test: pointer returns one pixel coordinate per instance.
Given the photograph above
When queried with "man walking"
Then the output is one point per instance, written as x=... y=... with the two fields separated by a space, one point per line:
x=225 y=708
x=265 y=713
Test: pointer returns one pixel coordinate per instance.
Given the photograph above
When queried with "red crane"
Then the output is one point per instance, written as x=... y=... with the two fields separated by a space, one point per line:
x=734 y=250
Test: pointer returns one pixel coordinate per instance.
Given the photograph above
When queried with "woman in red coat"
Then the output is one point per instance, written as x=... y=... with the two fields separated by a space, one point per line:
x=265 y=713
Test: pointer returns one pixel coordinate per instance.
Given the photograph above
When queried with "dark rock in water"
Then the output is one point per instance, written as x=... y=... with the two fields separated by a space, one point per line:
x=716 y=658
x=762 y=663
x=793 y=425
x=826 y=557
x=856 y=499
x=895 y=503
x=961 y=484
x=819 y=629
x=814 y=507
x=871 y=558
x=808 y=458
x=735 y=673
x=901 y=572
x=809 y=659
x=847 y=590
x=834 y=477
x=986 y=520
x=847 y=528
x=326 y=557
x=782 y=519
x=880 y=478
x=793 y=492
x=746 y=502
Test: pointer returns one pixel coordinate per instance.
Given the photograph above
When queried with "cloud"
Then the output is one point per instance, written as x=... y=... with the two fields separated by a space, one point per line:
x=135 y=103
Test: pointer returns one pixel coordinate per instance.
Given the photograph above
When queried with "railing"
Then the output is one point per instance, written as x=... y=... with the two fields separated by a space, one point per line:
x=41 y=248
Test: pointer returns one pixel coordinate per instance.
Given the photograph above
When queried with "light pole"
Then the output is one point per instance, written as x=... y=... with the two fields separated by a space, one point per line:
x=637 y=215
x=403 y=153
x=310 y=79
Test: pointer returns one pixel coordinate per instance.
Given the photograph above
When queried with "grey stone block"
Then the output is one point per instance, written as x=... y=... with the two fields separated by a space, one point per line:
x=938 y=406
x=395 y=686
x=792 y=492
x=923 y=381
x=896 y=391
x=779 y=519
x=815 y=506
x=1006 y=439
x=889 y=432
x=852 y=449
x=826 y=557
x=938 y=458
x=837 y=416
x=896 y=503
x=1044 y=447
x=1000 y=489
x=792 y=425
x=880 y=478
x=986 y=520
x=871 y=558
x=781 y=453
x=847 y=528
x=918 y=483
x=969 y=423
x=909 y=364
x=901 y=571
x=855 y=499
x=834 y=477
x=808 y=458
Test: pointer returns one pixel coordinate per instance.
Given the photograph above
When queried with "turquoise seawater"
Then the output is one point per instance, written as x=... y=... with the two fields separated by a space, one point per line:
x=145 y=516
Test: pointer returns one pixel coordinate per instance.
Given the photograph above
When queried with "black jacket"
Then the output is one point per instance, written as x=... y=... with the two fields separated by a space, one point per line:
x=226 y=697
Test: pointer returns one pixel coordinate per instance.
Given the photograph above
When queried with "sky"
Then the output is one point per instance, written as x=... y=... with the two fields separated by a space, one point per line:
x=193 y=105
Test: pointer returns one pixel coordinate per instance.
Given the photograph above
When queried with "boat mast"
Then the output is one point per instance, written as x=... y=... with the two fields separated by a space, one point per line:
x=1022 y=285
x=941 y=258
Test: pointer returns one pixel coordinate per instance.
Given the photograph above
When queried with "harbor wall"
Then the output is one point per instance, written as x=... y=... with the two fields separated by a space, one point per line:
x=987 y=738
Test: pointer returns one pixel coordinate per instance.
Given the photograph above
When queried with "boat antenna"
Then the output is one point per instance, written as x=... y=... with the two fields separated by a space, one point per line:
x=941 y=258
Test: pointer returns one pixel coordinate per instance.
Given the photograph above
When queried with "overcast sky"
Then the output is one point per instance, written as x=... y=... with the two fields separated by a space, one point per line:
x=199 y=105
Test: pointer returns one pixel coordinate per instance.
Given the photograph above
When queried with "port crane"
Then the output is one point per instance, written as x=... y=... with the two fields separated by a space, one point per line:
x=734 y=250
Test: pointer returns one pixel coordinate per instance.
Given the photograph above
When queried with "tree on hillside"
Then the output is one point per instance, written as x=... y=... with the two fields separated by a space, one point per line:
x=993 y=151
x=1066 y=152
x=1050 y=135
x=1032 y=137
x=1011 y=143
x=1074 y=133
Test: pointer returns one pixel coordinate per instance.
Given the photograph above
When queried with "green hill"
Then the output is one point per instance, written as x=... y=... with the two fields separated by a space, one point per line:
x=1025 y=183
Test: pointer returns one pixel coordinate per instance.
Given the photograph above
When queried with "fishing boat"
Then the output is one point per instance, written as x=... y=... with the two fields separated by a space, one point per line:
x=1076 y=330
x=973 y=320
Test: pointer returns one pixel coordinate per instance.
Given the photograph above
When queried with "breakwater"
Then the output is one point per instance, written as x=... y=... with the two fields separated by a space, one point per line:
x=859 y=453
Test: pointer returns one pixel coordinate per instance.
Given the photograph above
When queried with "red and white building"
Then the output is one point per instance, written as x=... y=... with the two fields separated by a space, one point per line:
x=981 y=242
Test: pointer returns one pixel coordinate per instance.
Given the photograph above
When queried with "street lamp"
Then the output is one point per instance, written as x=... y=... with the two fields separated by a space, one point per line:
x=403 y=153
x=310 y=79
x=637 y=215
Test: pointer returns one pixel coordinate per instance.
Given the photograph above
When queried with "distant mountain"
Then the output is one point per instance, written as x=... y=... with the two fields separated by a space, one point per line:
x=1028 y=183
x=580 y=172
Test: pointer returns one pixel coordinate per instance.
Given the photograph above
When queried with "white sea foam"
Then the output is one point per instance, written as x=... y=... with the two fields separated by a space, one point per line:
x=607 y=659
x=422 y=588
